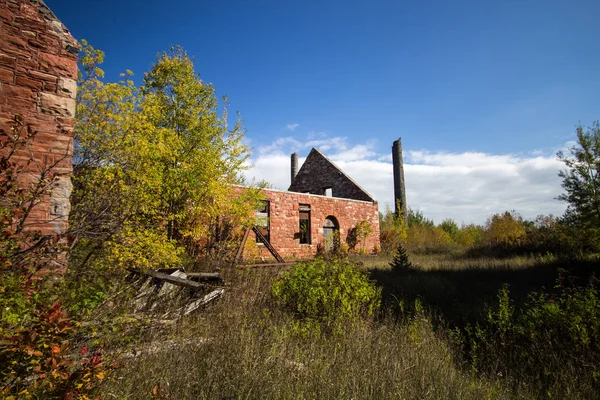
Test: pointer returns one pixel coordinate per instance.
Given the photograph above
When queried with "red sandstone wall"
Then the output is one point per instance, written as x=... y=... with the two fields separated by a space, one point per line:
x=38 y=72
x=284 y=221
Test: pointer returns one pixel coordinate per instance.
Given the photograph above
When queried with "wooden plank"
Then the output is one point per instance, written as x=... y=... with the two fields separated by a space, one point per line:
x=215 y=294
x=238 y=256
x=172 y=279
x=204 y=275
x=268 y=245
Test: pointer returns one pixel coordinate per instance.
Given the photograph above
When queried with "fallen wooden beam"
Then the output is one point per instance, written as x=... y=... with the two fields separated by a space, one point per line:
x=268 y=245
x=172 y=279
x=240 y=251
x=215 y=294
x=205 y=276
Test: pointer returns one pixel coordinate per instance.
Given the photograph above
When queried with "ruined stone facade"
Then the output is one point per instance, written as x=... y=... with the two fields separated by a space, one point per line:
x=284 y=222
x=38 y=72
x=297 y=223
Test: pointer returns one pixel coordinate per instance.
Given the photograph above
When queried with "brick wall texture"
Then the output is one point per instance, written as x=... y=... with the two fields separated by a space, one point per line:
x=285 y=225
x=319 y=173
x=38 y=72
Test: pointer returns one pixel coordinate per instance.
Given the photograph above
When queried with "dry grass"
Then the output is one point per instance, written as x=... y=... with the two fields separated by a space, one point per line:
x=457 y=287
x=244 y=347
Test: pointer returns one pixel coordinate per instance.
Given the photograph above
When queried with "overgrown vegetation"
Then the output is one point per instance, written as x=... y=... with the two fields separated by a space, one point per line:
x=502 y=235
x=36 y=332
x=553 y=340
x=249 y=347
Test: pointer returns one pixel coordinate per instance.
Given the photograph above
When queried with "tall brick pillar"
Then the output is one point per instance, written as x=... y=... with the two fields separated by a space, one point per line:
x=38 y=72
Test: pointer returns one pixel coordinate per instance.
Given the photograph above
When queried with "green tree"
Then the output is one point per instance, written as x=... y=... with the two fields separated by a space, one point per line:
x=204 y=158
x=451 y=228
x=401 y=262
x=581 y=179
x=418 y=218
x=116 y=175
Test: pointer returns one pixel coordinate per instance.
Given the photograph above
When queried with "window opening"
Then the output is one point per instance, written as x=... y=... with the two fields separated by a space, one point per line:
x=328 y=192
x=304 y=223
x=262 y=220
x=331 y=233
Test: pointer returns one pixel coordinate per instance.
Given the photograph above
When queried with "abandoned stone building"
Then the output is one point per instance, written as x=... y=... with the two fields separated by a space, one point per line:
x=38 y=72
x=321 y=208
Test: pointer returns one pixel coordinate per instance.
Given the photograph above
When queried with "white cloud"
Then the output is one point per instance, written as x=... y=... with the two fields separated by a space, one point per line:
x=292 y=127
x=467 y=187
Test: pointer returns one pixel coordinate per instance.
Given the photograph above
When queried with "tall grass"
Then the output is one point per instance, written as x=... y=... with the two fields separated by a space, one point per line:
x=245 y=347
x=433 y=339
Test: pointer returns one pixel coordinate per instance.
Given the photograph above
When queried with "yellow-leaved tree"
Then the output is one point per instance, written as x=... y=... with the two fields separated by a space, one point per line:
x=154 y=166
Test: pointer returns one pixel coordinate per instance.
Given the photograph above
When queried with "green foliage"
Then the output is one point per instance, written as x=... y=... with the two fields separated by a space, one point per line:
x=581 y=180
x=503 y=234
x=451 y=228
x=142 y=249
x=35 y=331
x=363 y=230
x=204 y=157
x=329 y=292
x=470 y=235
x=401 y=262
x=427 y=239
x=416 y=217
x=393 y=231
x=551 y=339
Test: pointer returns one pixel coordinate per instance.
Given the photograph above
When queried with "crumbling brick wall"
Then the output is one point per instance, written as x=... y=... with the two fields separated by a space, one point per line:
x=38 y=72
x=284 y=222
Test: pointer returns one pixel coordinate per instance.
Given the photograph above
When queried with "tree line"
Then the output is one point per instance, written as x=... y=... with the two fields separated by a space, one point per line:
x=575 y=232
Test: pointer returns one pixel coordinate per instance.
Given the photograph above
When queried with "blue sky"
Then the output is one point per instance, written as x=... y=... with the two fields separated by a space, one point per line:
x=508 y=80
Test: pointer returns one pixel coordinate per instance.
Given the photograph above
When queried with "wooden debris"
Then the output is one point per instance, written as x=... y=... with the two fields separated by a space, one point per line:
x=173 y=279
x=240 y=251
x=194 y=305
x=161 y=290
x=205 y=276
x=267 y=245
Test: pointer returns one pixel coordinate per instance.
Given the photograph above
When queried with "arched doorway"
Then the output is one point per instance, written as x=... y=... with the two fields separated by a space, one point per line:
x=331 y=233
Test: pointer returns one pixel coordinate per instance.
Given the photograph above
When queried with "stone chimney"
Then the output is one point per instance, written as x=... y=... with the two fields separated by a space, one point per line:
x=294 y=166
x=399 y=188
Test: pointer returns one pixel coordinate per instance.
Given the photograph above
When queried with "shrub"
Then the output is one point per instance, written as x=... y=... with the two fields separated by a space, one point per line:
x=505 y=230
x=392 y=231
x=37 y=361
x=428 y=239
x=327 y=292
x=36 y=333
x=553 y=342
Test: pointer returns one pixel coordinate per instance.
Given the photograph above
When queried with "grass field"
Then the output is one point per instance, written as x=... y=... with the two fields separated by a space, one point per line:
x=245 y=347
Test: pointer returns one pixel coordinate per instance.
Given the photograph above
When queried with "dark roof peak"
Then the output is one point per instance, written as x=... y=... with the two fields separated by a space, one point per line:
x=319 y=173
